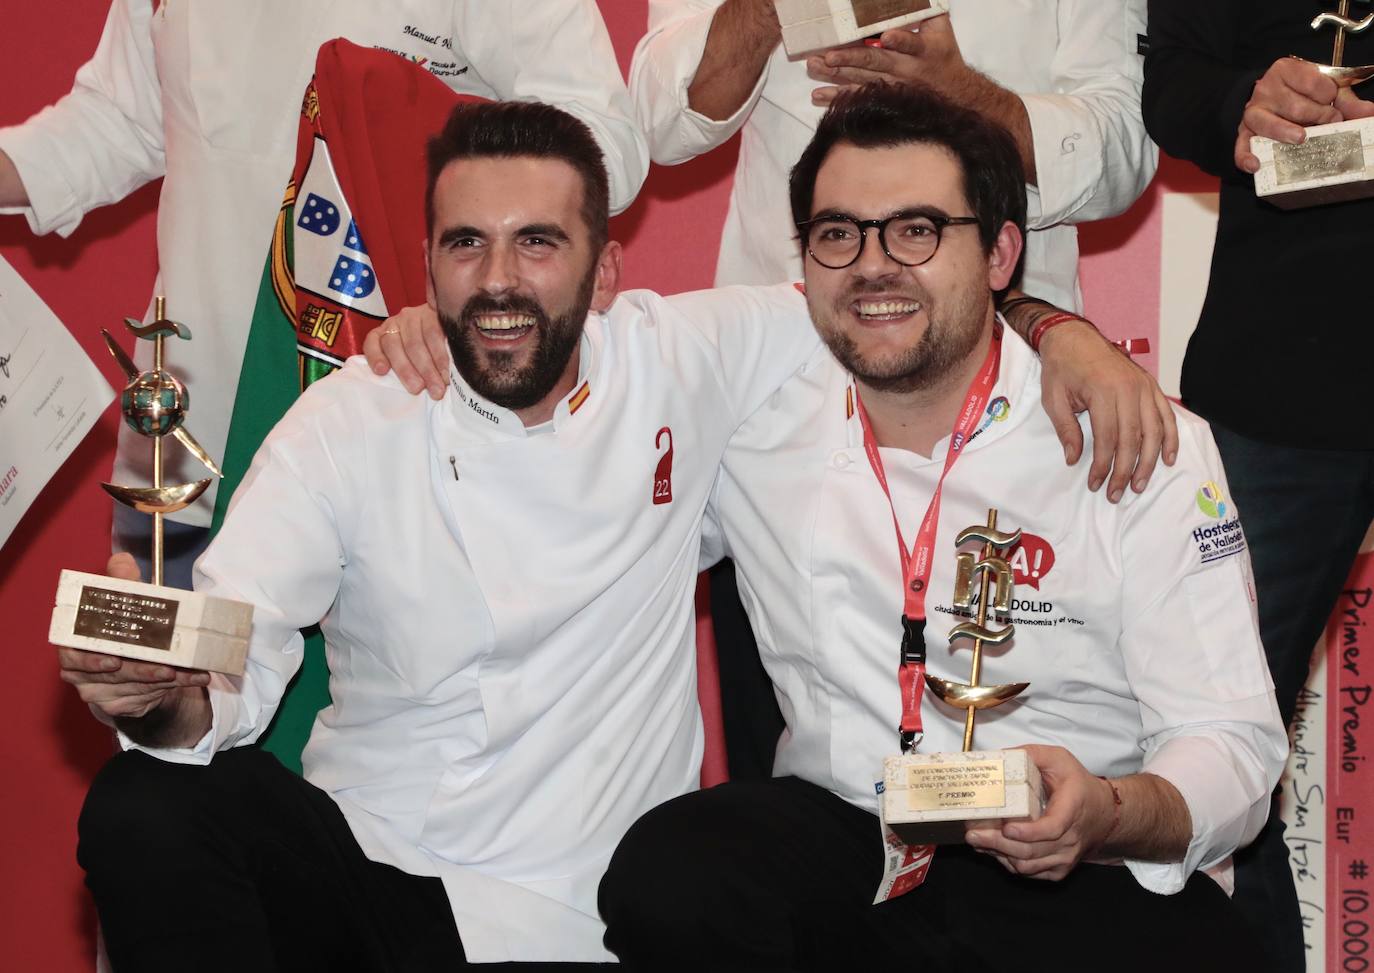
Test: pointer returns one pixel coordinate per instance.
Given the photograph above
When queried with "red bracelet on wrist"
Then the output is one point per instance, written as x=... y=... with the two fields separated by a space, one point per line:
x=1037 y=331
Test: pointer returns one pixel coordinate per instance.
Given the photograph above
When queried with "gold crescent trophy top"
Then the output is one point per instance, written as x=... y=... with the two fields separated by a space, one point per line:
x=154 y=403
x=994 y=576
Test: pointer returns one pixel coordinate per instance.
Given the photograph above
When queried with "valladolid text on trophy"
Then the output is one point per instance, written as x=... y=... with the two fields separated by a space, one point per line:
x=1335 y=162
x=930 y=798
x=815 y=25
x=133 y=619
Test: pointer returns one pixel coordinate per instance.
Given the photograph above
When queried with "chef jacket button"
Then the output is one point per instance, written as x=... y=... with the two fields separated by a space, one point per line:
x=840 y=461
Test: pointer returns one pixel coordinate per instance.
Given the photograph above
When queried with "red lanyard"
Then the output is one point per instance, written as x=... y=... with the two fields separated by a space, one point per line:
x=916 y=564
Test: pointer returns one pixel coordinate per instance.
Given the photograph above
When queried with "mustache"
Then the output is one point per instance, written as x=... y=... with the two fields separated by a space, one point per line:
x=863 y=288
x=510 y=304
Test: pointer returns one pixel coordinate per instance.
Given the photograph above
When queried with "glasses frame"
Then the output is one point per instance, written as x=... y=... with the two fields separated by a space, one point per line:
x=941 y=222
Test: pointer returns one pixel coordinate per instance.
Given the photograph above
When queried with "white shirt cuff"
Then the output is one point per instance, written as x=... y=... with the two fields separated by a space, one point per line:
x=1068 y=157
x=1221 y=805
x=52 y=203
x=224 y=728
x=676 y=132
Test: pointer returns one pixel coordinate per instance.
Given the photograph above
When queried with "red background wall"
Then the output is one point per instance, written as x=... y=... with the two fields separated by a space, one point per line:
x=50 y=747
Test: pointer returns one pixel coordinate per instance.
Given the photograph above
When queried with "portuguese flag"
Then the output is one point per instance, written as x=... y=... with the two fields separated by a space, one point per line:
x=345 y=253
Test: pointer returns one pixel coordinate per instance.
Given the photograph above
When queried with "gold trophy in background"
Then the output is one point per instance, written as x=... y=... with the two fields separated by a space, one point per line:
x=133 y=619
x=1336 y=161
x=928 y=797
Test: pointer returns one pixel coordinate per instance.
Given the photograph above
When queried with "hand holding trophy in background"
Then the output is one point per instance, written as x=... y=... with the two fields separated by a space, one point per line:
x=1334 y=162
x=132 y=619
x=815 y=25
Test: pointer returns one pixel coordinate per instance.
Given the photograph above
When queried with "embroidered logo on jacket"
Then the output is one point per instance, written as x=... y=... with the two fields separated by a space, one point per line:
x=1210 y=501
x=1031 y=560
x=663 y=475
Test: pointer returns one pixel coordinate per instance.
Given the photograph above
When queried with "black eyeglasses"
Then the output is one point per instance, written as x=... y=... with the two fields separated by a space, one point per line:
x=836 y=241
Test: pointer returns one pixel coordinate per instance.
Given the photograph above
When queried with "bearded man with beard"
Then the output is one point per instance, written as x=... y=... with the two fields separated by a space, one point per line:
x=1150 y=712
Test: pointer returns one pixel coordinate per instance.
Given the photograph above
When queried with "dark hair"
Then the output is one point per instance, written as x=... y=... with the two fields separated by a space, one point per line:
x=881 y=115
x=506 y=129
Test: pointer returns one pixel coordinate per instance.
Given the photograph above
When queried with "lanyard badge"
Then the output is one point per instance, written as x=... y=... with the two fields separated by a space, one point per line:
x=917 y=563
x=905 y=864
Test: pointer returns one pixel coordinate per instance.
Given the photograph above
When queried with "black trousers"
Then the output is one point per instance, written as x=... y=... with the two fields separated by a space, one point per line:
x=780 y=875
x=242 y=865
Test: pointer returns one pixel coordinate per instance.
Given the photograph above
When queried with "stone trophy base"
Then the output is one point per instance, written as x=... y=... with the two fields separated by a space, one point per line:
x=135 y=620
x=1335 y=164
x=928 y=797
x=814 y=25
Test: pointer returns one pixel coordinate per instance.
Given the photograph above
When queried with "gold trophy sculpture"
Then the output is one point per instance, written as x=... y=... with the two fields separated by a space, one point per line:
x=928 y=797
x=142 y=621
x=815 y=25
x=1336 y=162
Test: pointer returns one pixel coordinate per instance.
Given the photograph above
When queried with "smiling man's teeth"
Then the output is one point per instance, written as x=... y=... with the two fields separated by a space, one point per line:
x=873 y=309
x=504 y=322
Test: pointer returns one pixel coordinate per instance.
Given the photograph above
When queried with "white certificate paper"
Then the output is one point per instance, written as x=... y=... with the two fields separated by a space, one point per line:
x=51 y=394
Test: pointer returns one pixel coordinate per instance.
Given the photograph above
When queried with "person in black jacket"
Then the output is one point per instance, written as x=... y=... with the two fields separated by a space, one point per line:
x=1277 y=361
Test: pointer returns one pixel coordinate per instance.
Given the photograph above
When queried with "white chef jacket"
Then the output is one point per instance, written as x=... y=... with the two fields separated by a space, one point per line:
x=508 y=617
x=1134 y=622
x=1073 y=63
x=209 y=94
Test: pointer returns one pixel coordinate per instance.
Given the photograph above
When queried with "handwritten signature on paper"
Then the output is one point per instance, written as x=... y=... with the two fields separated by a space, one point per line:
x=5 y=364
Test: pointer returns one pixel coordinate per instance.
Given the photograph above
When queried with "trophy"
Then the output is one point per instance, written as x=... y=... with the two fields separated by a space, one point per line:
x=928 y=797
x=814 y=25
x=1336 y=161
x=142 y=621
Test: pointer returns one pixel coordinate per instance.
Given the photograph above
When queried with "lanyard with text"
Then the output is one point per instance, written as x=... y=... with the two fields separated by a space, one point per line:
x=916 y=564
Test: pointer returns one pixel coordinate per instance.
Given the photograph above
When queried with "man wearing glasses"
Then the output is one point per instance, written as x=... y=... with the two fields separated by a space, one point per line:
x=1150 y=712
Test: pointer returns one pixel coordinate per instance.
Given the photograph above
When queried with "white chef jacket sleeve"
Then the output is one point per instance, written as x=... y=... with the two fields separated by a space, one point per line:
x=1093 y=158
x=103 y=139
x=1191 y=645
x=559 y=52
x=281 y=550
x=665 y=62
x=754 y=337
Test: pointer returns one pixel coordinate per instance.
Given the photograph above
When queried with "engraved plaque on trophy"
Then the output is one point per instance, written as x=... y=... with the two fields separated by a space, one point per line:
x=928 y=797
x=133 y=619
x=1336 y=161
x=814 y=25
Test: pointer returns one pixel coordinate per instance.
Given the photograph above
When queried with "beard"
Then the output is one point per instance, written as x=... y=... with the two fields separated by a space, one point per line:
x=499 y=376
x=952 y=333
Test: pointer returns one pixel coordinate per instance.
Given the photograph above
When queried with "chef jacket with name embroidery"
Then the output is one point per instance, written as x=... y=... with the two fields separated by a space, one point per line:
x=209 y=95
x=1073 y=63
x=508 y=614
x=1134 y=622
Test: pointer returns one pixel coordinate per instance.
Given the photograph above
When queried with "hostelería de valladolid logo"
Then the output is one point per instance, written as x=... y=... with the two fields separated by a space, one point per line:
x=1220 y=540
